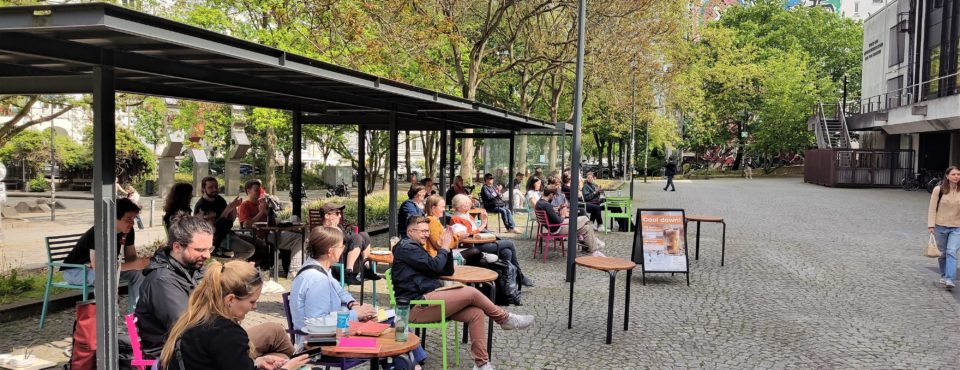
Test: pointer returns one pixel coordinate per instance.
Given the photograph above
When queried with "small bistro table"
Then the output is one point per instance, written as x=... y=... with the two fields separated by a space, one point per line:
x=389 y=347
x=723 y=241
x=611 y=266
x=474 y=275
x=276 y=230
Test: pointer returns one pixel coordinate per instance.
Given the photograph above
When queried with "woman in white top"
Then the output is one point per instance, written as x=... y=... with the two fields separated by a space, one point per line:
x=533 y=191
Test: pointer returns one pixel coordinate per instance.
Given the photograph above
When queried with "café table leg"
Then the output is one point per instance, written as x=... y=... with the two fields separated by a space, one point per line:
x=363 y=282
x=276 y=255
x=697 y=257
x=573 y=278
x=374 y=284
x=723 y=243
x=626 y=303
x=613 y=282
x=375 y=363
x=493 y=298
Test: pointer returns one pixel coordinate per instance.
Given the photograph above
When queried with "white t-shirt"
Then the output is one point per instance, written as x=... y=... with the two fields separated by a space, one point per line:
x=535 y=195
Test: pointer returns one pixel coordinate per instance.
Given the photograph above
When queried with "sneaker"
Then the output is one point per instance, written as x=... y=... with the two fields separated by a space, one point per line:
x=515 y=321
x=527 y=282
x=351 y=279
x=485 y=366
x=271 y=286
x=601 y=229
x=490 y=257
x=369 y=274
x=598 y=254
x=942 y=283
x=949 y=284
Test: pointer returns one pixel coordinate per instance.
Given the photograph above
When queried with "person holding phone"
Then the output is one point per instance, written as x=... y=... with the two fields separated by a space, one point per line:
x=213 y=208
x=253 y=210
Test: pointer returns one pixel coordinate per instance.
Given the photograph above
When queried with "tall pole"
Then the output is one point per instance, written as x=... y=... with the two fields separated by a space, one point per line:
x=575 y=147
x=646 y=148
x=296 y=173
x=53 y=173
x=633 y=128
x=393 y=176
x=362 y=177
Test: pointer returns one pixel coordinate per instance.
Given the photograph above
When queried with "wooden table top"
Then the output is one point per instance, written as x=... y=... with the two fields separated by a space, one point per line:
x=388 y=347
x=381 y=258
x=704 y=218
x=265 y=227
x=474 y=240
x=476 y=211
x=605 y=263
x=471 y=275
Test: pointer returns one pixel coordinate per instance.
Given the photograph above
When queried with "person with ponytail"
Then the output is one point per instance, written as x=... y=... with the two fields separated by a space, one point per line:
x=943 y=221
x=209 y=336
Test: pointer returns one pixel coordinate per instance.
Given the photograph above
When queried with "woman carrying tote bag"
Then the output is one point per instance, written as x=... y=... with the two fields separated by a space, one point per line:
x=943 y=221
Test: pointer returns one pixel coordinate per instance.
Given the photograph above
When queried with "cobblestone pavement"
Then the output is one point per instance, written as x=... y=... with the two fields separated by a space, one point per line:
x=814 y=278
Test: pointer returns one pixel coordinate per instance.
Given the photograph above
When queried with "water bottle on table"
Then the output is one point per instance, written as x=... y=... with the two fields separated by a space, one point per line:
x=343 y=322
x=400 y=322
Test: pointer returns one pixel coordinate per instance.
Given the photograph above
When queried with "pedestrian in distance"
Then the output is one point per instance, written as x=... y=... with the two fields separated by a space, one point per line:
x=943 y=221
x=670 y=170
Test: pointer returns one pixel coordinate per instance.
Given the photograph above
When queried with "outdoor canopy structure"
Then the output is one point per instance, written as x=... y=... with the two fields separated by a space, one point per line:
x=101 y=49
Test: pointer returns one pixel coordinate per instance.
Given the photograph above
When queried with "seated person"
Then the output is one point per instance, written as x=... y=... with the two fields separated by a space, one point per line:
x=413 y=206
x=456 y=188
x=492 y=200
x=593 y=210
x=83 y=252
x=316 y=293
x=213 y=208
x=209 y=336
x=428 y=186
x=254 y=209
x=533 y=191
x=593 y=195
x=436 y=206
x=174 y=272
x=357 y=244
x=464 y=223
x=584 y=230
x=178 y=199
x=415 y=276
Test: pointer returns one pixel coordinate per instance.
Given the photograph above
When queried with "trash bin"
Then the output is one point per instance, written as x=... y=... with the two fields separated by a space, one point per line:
x=148 y=187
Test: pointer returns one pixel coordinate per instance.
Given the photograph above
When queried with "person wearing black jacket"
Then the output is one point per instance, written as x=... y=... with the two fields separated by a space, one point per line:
x=416 y=276
x=492 y=201
x=174 y=272
x=670 y=170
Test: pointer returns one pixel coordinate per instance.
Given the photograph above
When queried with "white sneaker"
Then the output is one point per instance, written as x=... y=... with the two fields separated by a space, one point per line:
x=598 y=254
x=485 y=366
x=949 y=284
x=490 y=257
x=942 y=283
x=515 y=321
x=270 y=287
x=602 y=229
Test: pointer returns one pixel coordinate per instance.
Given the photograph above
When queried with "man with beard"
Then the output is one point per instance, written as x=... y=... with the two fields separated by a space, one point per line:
x=213 y=208
x=173 y=273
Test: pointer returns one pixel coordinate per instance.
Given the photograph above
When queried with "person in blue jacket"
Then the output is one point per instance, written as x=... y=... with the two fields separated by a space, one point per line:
x=411 y=207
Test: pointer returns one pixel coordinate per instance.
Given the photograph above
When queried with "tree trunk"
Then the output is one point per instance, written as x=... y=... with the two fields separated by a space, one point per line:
x=521 y=159
x=610 y=155
x=596 y=139
x=741 y=143
x=271 y=157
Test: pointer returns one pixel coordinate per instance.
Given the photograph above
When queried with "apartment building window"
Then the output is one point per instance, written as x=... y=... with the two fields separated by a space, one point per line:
x=895 y=96
x=897 y=42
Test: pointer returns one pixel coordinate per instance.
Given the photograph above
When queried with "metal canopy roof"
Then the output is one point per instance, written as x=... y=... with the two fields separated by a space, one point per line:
x=53 y=49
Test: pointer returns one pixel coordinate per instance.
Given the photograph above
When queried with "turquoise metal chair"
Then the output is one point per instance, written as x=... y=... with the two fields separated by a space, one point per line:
x=58 y=247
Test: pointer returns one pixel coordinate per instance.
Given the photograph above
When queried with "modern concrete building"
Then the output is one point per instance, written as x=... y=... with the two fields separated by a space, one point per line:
x=909 y=94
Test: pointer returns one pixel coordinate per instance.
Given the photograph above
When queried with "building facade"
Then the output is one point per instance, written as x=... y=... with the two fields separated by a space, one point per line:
x=909 y=96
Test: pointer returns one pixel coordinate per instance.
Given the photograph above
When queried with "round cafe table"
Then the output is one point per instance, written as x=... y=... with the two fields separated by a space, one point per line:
x=389 y=347
x=473 y=275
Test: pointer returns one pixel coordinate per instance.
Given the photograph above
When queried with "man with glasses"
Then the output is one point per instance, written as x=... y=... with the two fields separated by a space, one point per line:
x=356 y=244
x=173 y=273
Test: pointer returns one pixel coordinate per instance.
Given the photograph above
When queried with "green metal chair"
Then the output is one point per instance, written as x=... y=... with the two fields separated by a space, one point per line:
x=626 y=211
x=58 y=247
x=440 y=325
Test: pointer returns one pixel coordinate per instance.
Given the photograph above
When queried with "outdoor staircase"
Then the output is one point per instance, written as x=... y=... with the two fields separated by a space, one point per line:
x=830 y=126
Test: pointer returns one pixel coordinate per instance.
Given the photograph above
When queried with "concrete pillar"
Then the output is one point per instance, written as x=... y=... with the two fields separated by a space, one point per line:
x=237 y=151
x=201 y=169
x=168 y=164
x=954 y=149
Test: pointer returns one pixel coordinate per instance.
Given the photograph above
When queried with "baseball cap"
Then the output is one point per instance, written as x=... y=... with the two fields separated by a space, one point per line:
x=331 y=206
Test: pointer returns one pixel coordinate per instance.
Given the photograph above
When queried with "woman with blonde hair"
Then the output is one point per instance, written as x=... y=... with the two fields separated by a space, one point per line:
x=943 y=221
x=209 y=336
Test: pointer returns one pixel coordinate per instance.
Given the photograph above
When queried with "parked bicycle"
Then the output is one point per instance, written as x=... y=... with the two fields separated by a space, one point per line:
x=933 y=182
x=911 y=181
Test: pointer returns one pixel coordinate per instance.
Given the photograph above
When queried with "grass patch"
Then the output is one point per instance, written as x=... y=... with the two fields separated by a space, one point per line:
x=17 y=285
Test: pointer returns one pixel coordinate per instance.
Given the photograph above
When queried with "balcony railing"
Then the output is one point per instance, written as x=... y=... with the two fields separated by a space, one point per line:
x=901 y=97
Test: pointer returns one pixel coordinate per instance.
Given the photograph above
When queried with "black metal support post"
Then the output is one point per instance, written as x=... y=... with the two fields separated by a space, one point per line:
x=105 y=226
x=453 y=157
x=362 y=178
x=510 y=176
x=575 y=149
x=296 y=175
x=443 y=161
x=393 y=175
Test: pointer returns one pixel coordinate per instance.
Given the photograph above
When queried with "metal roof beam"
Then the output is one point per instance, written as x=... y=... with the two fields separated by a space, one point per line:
x=31 y=85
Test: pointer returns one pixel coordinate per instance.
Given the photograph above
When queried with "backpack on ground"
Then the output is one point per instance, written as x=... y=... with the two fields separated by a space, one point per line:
x=508 y=283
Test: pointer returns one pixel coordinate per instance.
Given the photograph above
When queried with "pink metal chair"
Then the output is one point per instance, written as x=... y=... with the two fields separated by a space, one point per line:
x=544 y=235
x=138 y=361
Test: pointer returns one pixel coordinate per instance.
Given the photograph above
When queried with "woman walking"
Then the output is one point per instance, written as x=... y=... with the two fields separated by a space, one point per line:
x=943 y=221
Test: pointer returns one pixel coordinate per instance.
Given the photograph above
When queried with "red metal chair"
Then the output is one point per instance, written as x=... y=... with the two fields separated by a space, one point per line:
x=138 y=361
x=544 y=234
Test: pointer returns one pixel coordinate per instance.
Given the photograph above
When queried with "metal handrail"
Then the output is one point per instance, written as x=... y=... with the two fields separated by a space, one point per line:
x=843 y=123
x=911 y=98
